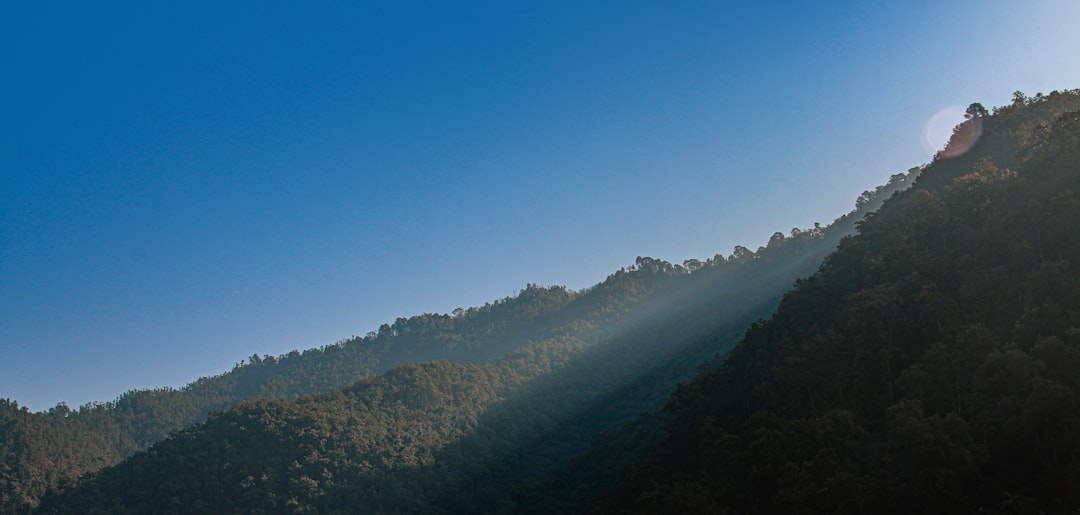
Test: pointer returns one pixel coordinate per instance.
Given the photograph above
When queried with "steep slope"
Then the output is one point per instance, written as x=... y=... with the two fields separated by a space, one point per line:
x=42 y=450
x=631 y=337
x=46 y=449
x=930 y=366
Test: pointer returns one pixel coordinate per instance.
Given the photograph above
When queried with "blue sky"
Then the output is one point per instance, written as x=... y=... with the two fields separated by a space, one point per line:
x=183 y=186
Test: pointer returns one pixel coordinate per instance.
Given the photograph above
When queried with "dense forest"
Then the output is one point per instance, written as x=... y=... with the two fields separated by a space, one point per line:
x=636 y=335
x=41 y=450
x=602 y=357
x=679 y=303
x=928 y=365
x=932 y=365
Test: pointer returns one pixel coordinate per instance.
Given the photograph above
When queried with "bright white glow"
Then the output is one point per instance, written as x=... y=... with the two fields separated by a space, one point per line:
x=939 y=128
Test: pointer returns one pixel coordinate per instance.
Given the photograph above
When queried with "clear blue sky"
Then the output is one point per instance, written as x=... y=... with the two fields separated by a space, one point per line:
x=183 y=186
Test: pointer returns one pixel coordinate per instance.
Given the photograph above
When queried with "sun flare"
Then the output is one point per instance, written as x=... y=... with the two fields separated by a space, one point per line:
x=939 y=128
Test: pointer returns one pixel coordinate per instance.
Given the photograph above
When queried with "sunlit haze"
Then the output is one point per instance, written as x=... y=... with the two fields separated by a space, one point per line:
x=183 y=186
x=939 y=128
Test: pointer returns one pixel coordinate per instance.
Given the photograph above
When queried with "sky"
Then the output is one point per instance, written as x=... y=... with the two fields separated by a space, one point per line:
x=185 y=184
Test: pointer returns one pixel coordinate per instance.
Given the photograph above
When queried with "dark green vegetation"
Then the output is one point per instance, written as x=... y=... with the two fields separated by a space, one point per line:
x=552 y=368
x=42 y=450
x=930 y=365
x=463 y=437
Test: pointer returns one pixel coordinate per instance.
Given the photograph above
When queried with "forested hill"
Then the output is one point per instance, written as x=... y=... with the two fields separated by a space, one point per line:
x=494 y=400
x=41 y=450
x=578 y=363
x=932 y=365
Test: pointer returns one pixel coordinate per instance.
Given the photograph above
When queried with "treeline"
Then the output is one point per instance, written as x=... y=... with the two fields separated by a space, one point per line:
x=597 y=358
x=330 y=449
x=42 y=450
x=932 y=365
x=510 y=393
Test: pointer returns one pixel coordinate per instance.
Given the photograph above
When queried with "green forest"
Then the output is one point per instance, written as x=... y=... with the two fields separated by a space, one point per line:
x=920 y=354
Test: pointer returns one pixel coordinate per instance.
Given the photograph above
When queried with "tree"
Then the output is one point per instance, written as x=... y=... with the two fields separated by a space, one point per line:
x=776 y=239
x=692 y=264
x=864 y=199
x=741 y=253
x=1019 y=99
x=975 y=110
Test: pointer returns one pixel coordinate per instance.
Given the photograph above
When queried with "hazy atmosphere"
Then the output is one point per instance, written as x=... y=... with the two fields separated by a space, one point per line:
x=182 y=187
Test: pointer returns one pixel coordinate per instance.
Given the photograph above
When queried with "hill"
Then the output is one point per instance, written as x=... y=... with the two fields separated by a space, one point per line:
x=578 y=363
x=41 y=450
x=492 y=403
x=930 y=366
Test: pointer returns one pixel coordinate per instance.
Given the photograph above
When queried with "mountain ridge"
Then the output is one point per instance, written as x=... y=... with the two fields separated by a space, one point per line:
x=929 y=366
x=685 y=290
x=672 y=314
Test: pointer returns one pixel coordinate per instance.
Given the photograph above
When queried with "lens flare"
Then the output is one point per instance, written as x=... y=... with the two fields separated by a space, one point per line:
x=948 y=134
x=939 y=128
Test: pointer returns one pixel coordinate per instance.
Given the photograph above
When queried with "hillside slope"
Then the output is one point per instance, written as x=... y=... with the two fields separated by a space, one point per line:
x=41 y=450
x=631 y=337
x=932 y=365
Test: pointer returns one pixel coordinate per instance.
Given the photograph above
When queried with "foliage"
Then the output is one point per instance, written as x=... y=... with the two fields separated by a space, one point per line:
x=930 y=366
x=456 y=437
x=43 y=450
x=485 y=410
